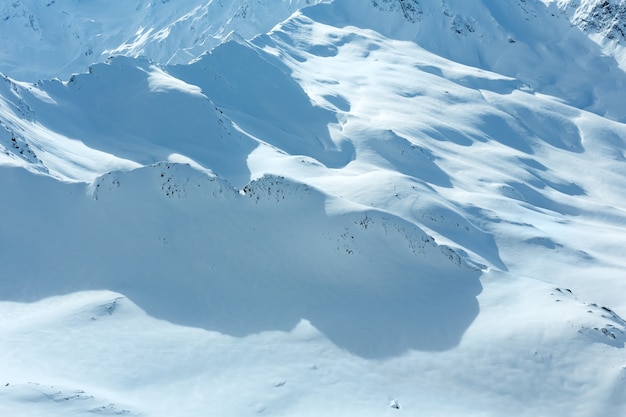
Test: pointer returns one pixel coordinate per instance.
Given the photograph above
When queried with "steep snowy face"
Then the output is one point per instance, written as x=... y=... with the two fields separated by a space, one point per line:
x=44 y=40
x=606 y=17
x=47 y=39
x=411 y=9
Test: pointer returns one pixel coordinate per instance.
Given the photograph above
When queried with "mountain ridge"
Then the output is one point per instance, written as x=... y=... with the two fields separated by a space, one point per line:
x=164 y=31
x=340 y=208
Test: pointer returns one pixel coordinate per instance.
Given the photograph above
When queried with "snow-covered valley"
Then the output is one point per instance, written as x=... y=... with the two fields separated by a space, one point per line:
x=342 y=208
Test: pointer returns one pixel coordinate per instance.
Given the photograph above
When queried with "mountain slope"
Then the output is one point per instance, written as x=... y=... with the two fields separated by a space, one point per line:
x=47 y=39
x=607 y=18
x=366 y=209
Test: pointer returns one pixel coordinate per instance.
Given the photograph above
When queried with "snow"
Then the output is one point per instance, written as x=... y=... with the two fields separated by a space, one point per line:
x=160 y=82
x=47 y=39
x=341 y=209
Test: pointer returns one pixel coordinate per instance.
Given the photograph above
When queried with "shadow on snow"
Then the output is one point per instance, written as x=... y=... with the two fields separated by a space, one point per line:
x=189 y=249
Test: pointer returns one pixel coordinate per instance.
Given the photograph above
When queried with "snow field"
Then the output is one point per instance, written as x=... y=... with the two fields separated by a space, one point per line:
x=351 y=213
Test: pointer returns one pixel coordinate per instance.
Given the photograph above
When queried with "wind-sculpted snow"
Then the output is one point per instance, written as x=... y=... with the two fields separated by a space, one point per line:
x=369 y=208
x=426 y=110
x=528 y=41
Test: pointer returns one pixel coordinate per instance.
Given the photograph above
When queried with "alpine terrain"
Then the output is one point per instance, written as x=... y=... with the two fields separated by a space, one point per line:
x=313 y=208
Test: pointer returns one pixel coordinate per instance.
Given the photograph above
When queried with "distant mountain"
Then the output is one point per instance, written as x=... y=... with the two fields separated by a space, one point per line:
x=55 y=38
x=606 y=17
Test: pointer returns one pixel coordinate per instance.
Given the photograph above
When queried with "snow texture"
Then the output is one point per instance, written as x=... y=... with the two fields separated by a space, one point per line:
x=309 y=208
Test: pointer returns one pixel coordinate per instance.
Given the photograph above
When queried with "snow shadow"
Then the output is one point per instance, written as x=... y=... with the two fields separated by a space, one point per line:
x=564 y=187
x=407 y=158
x=450 y=134
x=499 y=127
x=474 y=79
x=452 y=223
x=257 y=92
x=551 y=127
x=189 y=249
x=132 y=109
x=523 y=134
x=534 y=199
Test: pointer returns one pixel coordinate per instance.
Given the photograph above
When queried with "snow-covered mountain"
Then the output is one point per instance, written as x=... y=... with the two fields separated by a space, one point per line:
x=312 y=208
x=54 y=38
x=608 y=18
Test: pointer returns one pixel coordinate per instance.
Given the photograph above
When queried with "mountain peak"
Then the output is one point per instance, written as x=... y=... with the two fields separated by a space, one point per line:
x=606 y=17
x=56 y=38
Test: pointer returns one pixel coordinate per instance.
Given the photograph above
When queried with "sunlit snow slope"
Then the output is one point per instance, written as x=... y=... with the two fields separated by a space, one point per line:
x=370 y=208
x=53 y=38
